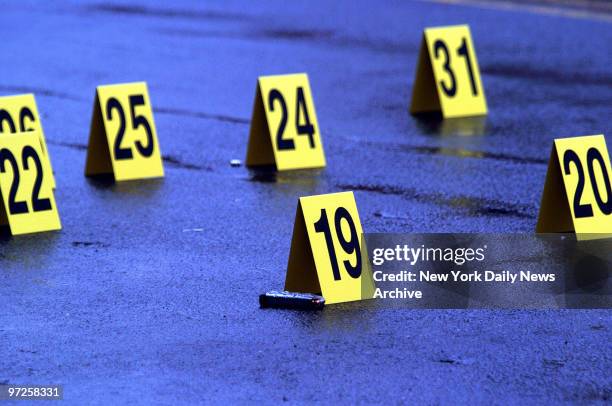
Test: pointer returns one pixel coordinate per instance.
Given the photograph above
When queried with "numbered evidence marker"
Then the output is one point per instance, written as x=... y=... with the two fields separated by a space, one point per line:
x=447 y=76
x=122 y=139
x=25 y=185
x=284 y=128
x=19 y=114
x=577 y=194
x=326 y=256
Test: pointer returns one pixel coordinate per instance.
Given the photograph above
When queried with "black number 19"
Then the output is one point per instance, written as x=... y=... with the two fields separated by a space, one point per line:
x=350 y=246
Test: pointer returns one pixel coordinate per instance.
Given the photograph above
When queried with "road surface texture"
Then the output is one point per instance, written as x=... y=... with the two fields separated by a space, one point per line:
x=149 y=292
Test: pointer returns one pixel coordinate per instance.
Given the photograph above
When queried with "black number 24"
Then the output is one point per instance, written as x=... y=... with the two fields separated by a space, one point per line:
x=300 y=108
x=586 y=210
x=137 y=120
x=350 y=246
x=20 y=207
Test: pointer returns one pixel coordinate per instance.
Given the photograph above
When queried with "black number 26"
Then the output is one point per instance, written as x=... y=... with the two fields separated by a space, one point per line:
x=586 y=210
x=451 y=90
x=137 y=121
x=20 y=207
x=300 y=108
x=24 y=113
x=350 y=246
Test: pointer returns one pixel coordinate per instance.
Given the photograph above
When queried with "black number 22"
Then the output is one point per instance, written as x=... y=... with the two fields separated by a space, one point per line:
x=20 y=207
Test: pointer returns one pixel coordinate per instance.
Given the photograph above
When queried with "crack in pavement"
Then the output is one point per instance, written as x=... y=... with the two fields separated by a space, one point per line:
x=198 y=114
x=474 y=206
x=37 y=91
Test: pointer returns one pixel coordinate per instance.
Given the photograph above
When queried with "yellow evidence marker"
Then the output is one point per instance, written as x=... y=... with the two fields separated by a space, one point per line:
x=447 y=76
x=123 y=139
x=326 y=255
x=19 y=114
x=577 y=194
x=284 y=127
x=28 y=204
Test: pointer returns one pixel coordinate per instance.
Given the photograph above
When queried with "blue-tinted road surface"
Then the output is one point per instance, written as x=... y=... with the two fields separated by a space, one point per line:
x=149 y=293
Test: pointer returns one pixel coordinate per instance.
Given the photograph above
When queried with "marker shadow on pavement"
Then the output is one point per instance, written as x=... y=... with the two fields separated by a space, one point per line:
x=29 y=250
x=269 y=174
x=138 y=187
x=434 y=124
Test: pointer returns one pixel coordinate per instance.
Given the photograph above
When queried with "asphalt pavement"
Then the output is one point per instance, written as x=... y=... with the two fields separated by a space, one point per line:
x=149 y=293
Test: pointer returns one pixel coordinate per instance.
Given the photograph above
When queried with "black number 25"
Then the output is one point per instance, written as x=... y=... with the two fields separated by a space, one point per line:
x=451 y=90
x=300 y=108
x=137 y=121
x=350 y=246
x=586 y=210
x=20 y=207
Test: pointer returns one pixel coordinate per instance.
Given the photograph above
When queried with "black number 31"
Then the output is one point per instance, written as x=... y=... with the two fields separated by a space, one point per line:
x=451 y=90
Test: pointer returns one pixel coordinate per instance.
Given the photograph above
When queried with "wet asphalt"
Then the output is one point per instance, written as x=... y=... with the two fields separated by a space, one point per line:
x=149 y=292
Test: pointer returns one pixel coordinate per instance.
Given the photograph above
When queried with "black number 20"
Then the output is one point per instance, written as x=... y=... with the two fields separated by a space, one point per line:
x=300 y=108
x=586 y=210
x=137 y=121
x=350 y=246
x=451 y=90
x=21 y=207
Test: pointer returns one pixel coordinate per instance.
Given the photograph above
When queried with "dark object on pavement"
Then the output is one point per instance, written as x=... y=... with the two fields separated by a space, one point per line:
x=291 y=300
